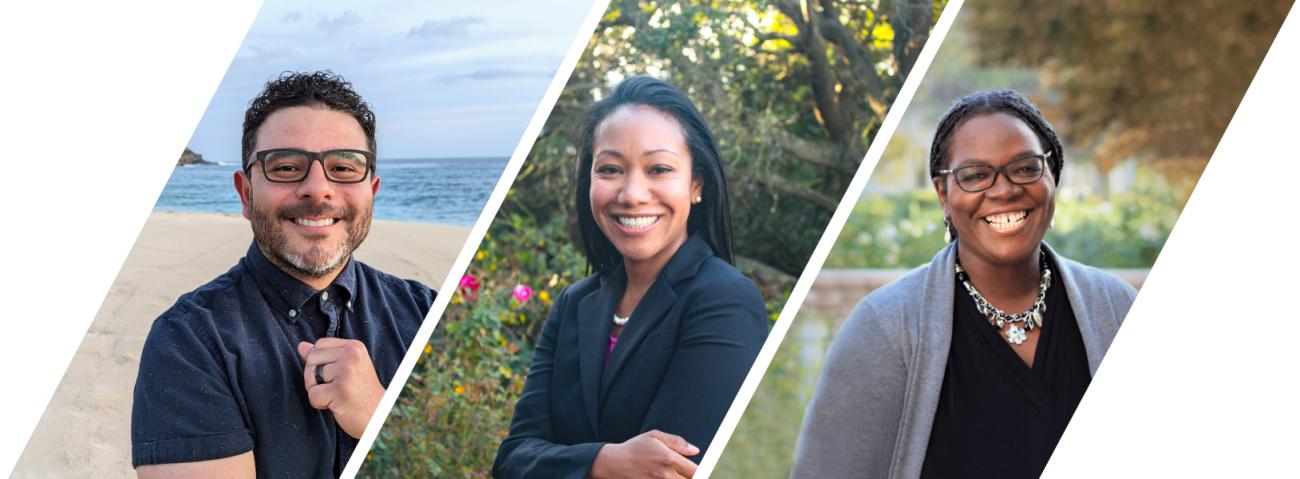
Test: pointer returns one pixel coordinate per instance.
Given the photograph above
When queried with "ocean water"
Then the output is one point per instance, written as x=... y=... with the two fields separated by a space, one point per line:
x=439 y=190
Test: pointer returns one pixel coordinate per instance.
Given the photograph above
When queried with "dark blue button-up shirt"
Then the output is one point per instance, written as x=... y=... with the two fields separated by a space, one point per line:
x=220 y=373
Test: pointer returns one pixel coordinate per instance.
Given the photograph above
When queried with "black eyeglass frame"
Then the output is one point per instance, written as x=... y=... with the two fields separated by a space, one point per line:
x=1002 y=171
x=312 y=157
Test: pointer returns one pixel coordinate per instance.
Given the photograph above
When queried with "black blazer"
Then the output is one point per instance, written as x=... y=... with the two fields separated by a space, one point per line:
x=677 y=365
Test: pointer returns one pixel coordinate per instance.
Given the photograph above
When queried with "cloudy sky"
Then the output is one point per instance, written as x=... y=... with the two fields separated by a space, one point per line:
x=445 y=79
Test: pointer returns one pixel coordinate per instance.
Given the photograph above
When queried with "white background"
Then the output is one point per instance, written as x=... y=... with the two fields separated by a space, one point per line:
x=99 y=98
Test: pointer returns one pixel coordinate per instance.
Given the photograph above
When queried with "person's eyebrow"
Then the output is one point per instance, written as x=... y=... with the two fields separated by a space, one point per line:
x=981 y=161
x=608 y=152
x=661 y=150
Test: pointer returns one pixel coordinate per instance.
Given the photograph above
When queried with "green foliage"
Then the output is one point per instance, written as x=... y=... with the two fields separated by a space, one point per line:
x=890 y=231
x=456 y=408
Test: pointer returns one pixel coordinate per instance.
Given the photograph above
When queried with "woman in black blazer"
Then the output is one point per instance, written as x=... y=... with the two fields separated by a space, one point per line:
x=638 y=363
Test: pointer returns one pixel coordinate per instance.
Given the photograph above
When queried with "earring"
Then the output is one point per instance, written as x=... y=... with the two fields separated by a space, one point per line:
x=947 y=231
x=698 y=199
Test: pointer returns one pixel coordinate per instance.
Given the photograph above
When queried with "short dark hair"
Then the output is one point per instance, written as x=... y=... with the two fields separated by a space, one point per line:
x=710 y=219
x=994 y=101
x=316 y=89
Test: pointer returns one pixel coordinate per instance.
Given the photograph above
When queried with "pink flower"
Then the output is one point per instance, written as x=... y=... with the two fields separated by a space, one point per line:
x=522 y=293
x=469 y=285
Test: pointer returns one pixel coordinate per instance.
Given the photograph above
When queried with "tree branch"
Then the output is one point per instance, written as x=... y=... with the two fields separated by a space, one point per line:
x=818 y=153
x=807 y=194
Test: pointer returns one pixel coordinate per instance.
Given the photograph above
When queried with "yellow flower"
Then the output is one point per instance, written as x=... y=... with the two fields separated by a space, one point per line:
x=545 y=297
x=481 y=254
x=460 y=389
x=428 y=348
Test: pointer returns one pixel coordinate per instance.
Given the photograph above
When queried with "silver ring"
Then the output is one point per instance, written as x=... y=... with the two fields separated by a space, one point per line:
x=320 y=374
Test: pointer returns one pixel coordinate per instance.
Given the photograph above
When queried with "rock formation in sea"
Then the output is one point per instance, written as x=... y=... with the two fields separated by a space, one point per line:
x=189 y=157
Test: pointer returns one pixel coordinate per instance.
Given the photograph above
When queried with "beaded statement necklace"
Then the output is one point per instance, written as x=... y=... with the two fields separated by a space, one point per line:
x=1031 y=319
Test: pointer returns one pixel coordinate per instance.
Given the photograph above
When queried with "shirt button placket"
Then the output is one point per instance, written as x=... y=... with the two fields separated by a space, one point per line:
x=330 y=312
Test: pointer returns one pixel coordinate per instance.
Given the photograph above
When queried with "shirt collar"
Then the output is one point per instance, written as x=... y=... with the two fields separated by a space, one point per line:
x=287 y=294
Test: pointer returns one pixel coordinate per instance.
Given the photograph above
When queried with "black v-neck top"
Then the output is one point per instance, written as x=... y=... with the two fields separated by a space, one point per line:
x=997 y=417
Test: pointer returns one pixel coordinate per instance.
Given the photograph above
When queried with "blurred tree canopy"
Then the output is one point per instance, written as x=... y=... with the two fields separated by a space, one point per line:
x=1149 y=80
x=794 y=91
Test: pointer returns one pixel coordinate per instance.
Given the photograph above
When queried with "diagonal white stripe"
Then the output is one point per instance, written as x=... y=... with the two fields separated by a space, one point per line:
x=449 y=285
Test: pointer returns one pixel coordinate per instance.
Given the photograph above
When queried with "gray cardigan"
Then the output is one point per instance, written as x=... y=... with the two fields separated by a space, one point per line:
x=879 y=389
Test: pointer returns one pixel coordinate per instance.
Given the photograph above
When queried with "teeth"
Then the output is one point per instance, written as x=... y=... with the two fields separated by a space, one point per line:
x=637 y=222
x=1006 y=221
x=307 y=222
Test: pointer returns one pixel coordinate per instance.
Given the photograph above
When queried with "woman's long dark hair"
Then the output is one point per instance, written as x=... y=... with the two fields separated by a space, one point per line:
x=710 y=219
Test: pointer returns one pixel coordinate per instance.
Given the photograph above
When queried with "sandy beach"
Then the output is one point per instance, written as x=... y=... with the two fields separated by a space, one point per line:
x=85 y=430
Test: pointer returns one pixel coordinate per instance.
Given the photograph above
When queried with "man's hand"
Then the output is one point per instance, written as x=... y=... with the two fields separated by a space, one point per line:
x=351 y=389
x=652 y=454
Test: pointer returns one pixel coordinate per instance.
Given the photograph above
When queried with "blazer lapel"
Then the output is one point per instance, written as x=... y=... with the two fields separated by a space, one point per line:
x=595 y=314
x=684 y=265
x=648 y=313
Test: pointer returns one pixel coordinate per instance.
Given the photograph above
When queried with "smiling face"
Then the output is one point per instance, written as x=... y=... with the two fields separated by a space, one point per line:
x=308 y=228
x=641 y=184
x=1003 y=225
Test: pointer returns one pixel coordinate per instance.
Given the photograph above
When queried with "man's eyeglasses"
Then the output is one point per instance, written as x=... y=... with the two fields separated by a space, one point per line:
x=1021 y=171
x=290 y=165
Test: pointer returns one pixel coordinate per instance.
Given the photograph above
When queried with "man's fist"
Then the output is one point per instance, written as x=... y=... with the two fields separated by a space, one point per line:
x=350 y=390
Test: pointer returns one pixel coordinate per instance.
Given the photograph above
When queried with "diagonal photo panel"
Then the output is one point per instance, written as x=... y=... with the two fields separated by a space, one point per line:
x=679 y=186
x=291 y=256
x=991 y=259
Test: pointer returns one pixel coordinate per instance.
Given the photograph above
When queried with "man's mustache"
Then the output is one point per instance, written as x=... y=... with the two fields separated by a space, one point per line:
x=315 y=210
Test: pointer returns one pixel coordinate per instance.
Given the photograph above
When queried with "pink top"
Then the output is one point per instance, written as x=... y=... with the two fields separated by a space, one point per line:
x=612 y=341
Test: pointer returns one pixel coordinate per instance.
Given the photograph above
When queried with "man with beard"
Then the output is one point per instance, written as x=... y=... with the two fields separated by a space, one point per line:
x=275 y=367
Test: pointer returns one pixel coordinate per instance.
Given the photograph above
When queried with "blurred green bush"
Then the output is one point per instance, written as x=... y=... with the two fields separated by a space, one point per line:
x=456 y=408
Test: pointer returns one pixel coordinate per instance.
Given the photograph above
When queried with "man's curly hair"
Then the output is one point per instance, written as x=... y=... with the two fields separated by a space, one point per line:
x=316 y=89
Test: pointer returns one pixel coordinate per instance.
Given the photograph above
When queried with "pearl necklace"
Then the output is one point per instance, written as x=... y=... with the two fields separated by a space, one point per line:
x=1031 y=318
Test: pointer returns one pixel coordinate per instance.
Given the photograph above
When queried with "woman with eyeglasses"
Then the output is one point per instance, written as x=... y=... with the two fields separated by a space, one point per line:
x=638 y=363
x=972 y=365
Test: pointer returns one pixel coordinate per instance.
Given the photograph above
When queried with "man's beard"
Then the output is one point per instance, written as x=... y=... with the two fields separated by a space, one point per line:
x=316 y=262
